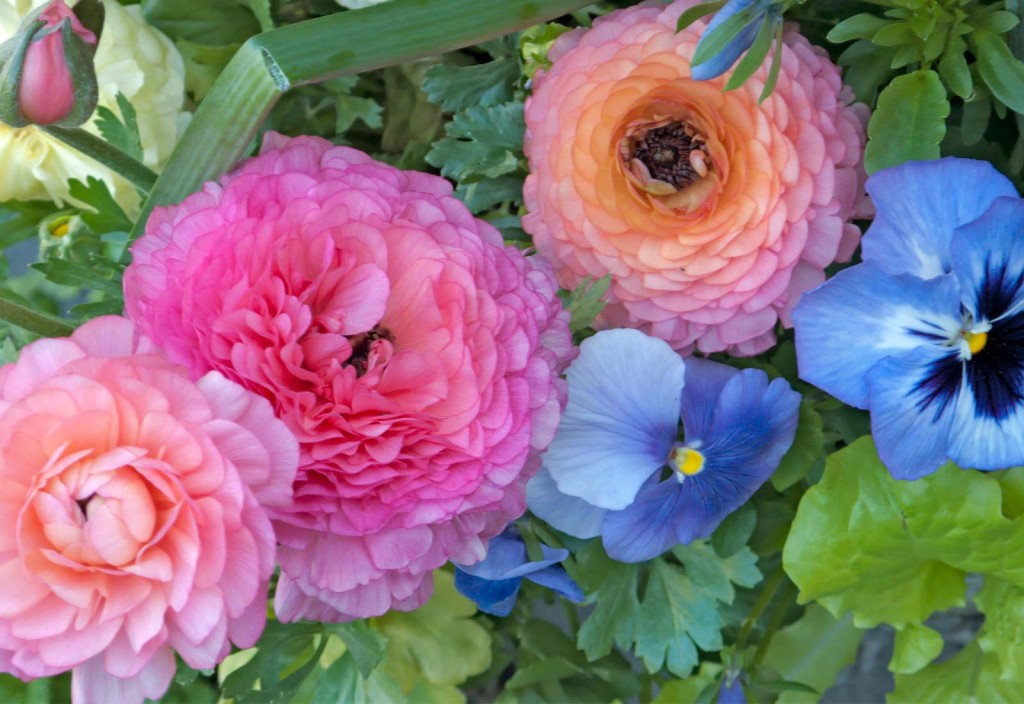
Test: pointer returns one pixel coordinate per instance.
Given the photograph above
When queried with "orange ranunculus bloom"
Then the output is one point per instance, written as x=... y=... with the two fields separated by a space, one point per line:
x=712 y=212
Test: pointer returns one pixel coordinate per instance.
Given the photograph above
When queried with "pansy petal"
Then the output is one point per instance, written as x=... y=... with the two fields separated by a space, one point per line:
x=647 y=527
x=989 y=256
x=507 y=559
x=566 y=513
x=919 y=204
x=988 y=422
x=704 y=383
x=558 y=580
x=495 y=597
x=620 y=422
x=848 y=324
x=753 y=427
x=913 y=398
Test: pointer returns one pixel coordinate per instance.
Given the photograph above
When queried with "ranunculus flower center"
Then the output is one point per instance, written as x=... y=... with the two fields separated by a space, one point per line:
x=668 y=159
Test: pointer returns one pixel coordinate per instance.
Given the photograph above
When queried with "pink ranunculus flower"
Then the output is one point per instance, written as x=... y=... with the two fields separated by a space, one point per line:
x=130 y=516
x=712 y=211
x=416 y=358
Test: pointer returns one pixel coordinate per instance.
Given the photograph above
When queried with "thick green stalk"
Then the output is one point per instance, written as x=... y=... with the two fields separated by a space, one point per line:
x=137 y=173
x=317 y=50
x=15 y=312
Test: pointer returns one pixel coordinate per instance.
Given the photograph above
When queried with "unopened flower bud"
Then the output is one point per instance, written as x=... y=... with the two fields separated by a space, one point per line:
x=47 y=75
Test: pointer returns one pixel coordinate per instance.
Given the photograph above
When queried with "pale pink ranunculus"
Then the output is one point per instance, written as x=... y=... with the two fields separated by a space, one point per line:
x=131 y=523
x=712 y=211
x=415 y=357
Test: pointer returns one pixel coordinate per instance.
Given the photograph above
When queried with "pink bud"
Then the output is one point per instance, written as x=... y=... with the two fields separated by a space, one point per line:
x=46 y=92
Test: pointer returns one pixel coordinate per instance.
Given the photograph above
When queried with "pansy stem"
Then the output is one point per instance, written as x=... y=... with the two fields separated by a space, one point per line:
x=767 y=593
x=789 y=591
x=137 y=173
x=267 y=65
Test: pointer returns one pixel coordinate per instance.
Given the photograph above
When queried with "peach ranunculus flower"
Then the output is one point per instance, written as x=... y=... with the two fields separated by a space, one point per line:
x=131 y=518
x=133 y=58
x=712 y=212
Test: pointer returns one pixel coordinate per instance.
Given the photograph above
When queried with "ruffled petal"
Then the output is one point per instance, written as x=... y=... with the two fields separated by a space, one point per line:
x=507 y=559
x=558 y=580
x=566 y=513
x=621 y=419
x=919 y=204
x=496 y=597
x=913 y=398
x=862 y=315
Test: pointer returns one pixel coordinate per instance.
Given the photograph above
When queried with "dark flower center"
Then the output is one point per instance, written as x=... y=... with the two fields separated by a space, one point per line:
x=362 y=345
x=665 y=151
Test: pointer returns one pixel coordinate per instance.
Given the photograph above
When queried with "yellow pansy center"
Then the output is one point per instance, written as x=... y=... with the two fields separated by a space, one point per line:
x=975 y=341
x=686 y=461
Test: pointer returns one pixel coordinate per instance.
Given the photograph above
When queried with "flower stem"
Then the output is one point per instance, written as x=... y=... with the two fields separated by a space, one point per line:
x=316 y=50
x=770 y=587
x=107 y=154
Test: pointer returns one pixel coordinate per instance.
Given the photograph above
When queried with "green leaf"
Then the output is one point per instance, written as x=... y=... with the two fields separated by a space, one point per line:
x=733 y=533
x=689 y=689
x=69 y=273
x=535 y=43
x=343 y=682
x=954 y=70
x=915 y=647
x=754 y=57
x=1002 y=636
x=483 y=195
x=88 y=311
x=712 y=43
x=107 y=215
x=122 y=133
x=20 y=220
x=694 y=13
x=585 y=302
x=867 y=68
x=776 y=66
x=813 y=651
x=896 y=551
x=364 y=643
x=481 y=142
x=261 y=10
x=674 y=618
x=894 y=34
x=201 y=21
x=997 y=22
x=438 y=642
x=612 y=586
x=1001 y=71
x=456 y=88
x=970 y=676
x=805 y=452
x=909 y=122
x=862 y=26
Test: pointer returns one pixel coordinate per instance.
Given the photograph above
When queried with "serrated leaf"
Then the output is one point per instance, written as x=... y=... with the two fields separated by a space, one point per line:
x=122 y=132
x=690 y=689
x=813 y=651
x=613 y=585
x=1001 y=71
x=914 y=648
x=805 y=452
x=862 y=26
x=483 y=195
x=364 y=643
x=535 y=43
x=585 y=302
x=897 y=551
x=909 y=122
x=456 y=88
x=482 y=142
x=343 y=682
x=970 y=676
x=438 y=642
x=107 y=215
x=68 y=273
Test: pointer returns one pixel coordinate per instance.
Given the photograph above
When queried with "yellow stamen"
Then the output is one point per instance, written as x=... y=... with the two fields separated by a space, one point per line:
x=687 y=461
x=61 y=229
x=976 y=341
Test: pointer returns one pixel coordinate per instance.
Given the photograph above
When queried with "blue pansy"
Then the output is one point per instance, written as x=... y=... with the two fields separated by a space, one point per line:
x=493 y=583
x=928 y=332
x=763 y=11
x=731 y=691
x=618 y=467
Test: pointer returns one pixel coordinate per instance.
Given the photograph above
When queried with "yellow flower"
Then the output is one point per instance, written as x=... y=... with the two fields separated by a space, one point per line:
x=133 y=58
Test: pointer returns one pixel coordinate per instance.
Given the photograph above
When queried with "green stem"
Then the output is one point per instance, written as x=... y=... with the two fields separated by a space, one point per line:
x=774 y=624
x=268 y=64
x=16 y=313
x=107 y=154
x=770 y=587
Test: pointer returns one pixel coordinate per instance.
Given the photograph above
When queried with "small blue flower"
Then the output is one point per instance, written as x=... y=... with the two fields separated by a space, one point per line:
x=731 y=691
x=928 y=332
x=617 y=468
x=765 y=11
x=493 y=583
